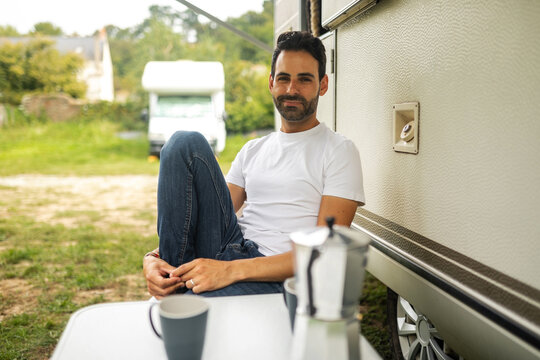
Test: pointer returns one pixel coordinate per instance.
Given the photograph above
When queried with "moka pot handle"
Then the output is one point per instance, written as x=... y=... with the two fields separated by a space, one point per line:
x=314 y=255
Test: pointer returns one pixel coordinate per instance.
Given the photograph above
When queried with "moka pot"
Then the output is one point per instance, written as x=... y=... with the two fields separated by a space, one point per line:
x=329 y=271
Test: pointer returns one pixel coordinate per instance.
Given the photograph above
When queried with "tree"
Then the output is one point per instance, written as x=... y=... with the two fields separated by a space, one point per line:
x=258 y=25
x=155 y=39
x=8 y=30
x=170 y=35
x=248 y=102
x=47 y=28
x=37 y=67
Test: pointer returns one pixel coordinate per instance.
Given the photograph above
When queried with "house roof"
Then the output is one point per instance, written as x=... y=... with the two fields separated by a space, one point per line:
x=84 y=46
x=89 y=47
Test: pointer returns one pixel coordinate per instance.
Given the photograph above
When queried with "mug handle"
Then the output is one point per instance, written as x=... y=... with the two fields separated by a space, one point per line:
x=151 y=321
x=285 y=294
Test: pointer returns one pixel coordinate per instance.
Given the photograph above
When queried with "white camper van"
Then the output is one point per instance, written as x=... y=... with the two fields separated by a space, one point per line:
x=185 y=95
x=442 y=98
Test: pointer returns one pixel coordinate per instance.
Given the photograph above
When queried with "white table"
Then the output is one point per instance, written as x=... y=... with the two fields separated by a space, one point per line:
x=239 y=327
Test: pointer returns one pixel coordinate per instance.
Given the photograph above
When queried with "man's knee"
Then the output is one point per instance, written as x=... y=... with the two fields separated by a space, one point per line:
x=182 y=141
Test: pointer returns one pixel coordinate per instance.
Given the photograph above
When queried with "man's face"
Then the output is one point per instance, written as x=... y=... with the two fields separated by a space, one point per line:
x=295 y=86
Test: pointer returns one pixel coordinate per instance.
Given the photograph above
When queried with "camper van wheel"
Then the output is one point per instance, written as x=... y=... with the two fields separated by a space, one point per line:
x=154 y=152
x=414 y=337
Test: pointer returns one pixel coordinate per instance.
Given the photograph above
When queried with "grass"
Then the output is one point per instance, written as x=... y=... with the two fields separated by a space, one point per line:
x=49 y=271
x=72 y=148
x=83 y=148
x=55 y=279
x=233 y=146
x=374 y=323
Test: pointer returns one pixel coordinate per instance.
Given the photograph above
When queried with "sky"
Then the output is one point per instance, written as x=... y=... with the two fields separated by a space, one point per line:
x=84 y=17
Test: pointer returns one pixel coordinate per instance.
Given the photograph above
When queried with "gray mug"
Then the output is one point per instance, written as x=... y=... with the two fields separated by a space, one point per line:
x=183 y=325
x=289 y=294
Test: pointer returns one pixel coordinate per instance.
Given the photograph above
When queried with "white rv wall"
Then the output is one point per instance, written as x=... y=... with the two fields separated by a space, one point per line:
x=474 y=67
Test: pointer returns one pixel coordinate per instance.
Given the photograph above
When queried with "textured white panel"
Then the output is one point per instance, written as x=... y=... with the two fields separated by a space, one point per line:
x=474 y=67
x=286 y=16
x=326 y=109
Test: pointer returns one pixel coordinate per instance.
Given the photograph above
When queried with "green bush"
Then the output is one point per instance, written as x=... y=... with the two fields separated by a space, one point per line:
x=126 y=115
x=248 y=101
x=15 y=117
x=37 y=67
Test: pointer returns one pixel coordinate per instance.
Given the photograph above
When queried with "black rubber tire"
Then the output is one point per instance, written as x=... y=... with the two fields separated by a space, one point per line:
x=391 y=311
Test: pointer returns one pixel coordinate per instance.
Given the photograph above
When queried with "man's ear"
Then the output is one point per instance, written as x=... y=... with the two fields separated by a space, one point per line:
x=324 y=85
x=270 y=82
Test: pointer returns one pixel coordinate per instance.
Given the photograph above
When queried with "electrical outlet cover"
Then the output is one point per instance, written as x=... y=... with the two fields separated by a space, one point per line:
x=405 y=139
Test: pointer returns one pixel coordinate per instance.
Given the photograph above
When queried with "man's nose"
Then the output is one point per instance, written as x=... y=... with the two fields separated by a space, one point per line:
x=292 y=88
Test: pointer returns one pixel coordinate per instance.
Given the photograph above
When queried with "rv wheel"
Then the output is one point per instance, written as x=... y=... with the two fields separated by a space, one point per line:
x=413 y=336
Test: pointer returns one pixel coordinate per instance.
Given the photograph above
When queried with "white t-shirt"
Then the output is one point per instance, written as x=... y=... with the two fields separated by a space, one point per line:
x=285 y=175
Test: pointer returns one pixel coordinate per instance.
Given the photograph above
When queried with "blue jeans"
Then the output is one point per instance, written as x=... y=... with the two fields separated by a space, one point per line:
x=196 y=217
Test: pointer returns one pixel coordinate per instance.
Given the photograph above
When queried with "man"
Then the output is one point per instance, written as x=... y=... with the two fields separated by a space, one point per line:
x=288 y=180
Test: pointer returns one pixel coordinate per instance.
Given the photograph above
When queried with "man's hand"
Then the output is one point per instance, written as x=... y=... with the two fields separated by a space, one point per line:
x=160 y=282
x=207 y=274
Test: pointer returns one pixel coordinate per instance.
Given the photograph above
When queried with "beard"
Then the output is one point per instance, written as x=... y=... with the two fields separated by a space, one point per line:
x=296 y=113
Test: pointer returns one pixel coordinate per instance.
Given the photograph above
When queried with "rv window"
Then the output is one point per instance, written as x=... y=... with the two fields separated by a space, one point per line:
x=184 y=106
x=335 y=12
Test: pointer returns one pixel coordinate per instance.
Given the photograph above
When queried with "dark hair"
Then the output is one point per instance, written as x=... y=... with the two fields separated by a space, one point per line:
x=301 y=41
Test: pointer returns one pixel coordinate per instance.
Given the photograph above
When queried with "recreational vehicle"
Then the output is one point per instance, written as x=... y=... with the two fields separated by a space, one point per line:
x=185 y=95
x=442 y=98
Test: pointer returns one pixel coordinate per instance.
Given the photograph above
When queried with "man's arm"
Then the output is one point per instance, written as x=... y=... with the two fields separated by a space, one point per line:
x=238 y=196
x=209 y=274
x=341 y=209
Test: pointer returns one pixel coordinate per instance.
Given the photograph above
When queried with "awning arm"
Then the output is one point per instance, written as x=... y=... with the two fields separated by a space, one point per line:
x=229 y=27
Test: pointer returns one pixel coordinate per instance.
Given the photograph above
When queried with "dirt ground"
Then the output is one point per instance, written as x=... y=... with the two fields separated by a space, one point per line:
x=109 y=201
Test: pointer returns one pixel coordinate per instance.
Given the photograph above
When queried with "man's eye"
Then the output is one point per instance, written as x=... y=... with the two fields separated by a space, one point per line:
x=305 y=79
x=283 y=79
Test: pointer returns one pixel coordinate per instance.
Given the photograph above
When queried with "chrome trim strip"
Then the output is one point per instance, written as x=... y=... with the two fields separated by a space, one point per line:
x=510 y=303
